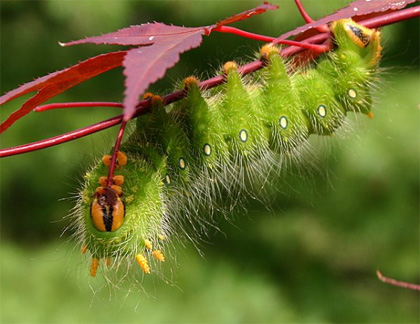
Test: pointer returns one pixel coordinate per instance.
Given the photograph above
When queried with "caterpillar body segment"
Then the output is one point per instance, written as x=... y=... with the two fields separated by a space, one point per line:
x=210 y=150
x=283 y=119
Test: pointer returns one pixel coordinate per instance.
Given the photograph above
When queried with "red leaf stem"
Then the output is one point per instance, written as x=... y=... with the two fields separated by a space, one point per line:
x=397 y=283
x=115 y=153
x=391 y=18
x=63 y=138
x=63 y=105
x=303 y=12
x=239 y=32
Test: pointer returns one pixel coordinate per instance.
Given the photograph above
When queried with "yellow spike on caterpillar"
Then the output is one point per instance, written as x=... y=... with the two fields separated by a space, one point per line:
x=143 y=263
x=213 y=148
x=156 y=100
x=230 y=66
x=158 y=255
x=267 y=51
x=94 y=266
x=117 y=180
x=148 y=244
x=121 y=160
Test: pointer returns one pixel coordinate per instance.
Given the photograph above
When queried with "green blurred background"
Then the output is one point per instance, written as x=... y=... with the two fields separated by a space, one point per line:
x=312 y=258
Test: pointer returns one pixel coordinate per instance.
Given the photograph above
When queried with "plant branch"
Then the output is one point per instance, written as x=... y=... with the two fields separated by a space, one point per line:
x=62 y=105
x=143 y=105
x=397 y=283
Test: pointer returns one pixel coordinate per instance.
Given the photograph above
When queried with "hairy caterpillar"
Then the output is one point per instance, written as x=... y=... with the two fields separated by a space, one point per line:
x=184 y=160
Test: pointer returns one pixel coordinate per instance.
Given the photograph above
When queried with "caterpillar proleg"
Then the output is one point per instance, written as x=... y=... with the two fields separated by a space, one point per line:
x=211 y=147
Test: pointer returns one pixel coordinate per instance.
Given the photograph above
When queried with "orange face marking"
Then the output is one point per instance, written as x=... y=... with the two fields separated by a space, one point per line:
x=107 y=211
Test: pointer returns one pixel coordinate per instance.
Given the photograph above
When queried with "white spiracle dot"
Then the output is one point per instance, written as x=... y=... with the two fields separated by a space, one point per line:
x=322 y=111
x=243 y=135
x=283 y=122
x=182 y=163
x=207 y=149
x=352 y=93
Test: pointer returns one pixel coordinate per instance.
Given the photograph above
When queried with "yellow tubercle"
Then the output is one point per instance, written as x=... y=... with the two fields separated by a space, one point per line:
x=94 y=266
x=83 y=249
x=118 y=190
x=189 y=81
x=103 y=181
x=147 y=95
x=370 y=115
x=268 y=50
x=106 y=159
x=158 y=255
x=142 y=261
x=121 y=159
x=148 y=244
x=229 y=67
x=118 y=180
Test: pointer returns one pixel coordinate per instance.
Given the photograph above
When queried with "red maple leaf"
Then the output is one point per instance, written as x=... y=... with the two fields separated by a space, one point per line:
x=55 y=83
x=160 y=49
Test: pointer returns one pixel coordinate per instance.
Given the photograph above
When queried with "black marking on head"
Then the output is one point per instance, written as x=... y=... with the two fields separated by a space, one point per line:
x=108 y=217
x=364 y=38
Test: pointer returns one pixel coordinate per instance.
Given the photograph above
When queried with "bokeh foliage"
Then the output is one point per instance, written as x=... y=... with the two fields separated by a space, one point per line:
x=312 y=258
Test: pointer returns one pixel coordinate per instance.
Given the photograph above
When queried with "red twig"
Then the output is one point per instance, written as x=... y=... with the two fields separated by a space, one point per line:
x=392 y=18
x=61 y=105
x=397 y=283
x=379 y=21
x=61 y=138
x=303 y=12
x=308 y=19
x=115 y=153
x=242 y=33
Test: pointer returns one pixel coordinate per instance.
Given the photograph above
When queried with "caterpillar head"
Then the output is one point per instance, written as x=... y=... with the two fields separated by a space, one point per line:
x=349 y=35
x=124 y=219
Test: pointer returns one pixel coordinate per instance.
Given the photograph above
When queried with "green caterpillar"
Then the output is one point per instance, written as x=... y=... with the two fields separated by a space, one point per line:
x=187 y=159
